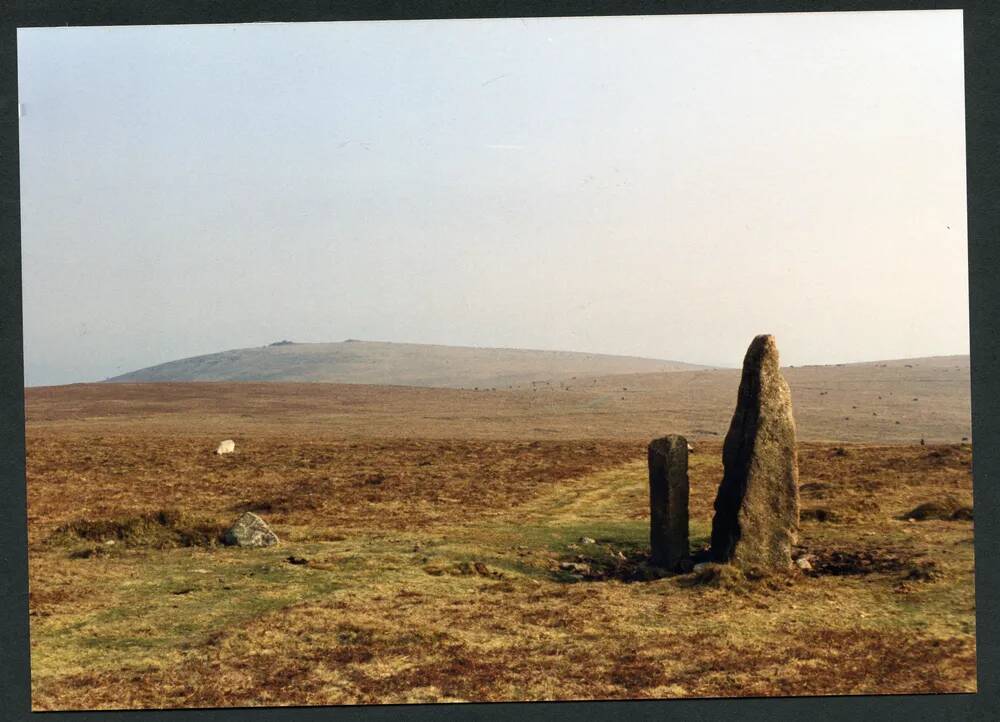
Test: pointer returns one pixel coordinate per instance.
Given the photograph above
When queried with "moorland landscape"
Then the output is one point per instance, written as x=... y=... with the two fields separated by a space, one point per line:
x=476 y=530
x=381 y=362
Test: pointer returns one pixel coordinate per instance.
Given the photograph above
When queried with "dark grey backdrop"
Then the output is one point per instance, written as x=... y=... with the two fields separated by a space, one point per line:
x=982 y=73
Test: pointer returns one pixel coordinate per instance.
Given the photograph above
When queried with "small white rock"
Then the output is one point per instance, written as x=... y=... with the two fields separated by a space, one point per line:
x=587 y=540
x=226 y=447
x=804 y=564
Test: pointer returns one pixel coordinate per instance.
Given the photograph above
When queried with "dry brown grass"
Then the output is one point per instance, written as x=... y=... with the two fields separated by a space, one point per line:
x=430 y=569
x=340 y=485
x=891 y=403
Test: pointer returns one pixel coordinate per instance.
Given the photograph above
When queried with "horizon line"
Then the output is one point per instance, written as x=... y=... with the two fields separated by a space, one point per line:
x=285 y=342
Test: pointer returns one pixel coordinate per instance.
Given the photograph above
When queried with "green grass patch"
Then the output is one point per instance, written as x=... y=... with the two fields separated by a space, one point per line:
x=178 y=600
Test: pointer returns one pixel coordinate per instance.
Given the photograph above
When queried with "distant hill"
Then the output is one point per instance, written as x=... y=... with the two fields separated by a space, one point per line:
x=371 y=362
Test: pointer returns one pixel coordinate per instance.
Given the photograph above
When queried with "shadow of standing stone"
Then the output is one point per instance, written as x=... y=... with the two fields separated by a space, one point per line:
x=757 y=506
x=668 y=500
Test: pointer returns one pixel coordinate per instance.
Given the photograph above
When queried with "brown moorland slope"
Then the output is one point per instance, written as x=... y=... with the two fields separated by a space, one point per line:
x=883 y=402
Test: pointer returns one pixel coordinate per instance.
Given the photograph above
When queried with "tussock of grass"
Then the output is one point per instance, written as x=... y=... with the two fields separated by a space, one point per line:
x=734 y=580
x=946 y=508
x=724 y=576
x=162 y=529
x=820 y=514
x=926 y=570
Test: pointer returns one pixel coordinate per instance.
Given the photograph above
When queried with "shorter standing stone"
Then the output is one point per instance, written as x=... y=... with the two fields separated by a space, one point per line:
x=668 y=500
x=249 y=531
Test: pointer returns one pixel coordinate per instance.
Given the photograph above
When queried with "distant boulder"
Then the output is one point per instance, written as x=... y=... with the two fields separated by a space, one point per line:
x=226 y=447
x=249 y=531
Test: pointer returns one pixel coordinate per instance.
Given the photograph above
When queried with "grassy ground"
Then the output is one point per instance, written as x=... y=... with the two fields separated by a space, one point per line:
x=430 y=569
x=894 y=402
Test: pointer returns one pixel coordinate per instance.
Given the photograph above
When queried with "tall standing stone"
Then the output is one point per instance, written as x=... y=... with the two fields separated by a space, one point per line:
x=668 y=500
x=757 y=506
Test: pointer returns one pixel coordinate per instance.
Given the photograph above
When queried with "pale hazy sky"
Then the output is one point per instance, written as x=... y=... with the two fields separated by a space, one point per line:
x=653 y=186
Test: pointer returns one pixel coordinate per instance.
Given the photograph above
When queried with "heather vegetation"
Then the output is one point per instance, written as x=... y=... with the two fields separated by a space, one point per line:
x=482 y=564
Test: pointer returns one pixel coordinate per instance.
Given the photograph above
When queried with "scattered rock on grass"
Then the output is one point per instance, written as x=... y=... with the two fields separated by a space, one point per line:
x=250 y=531
x=857 y=561
x=462 y=569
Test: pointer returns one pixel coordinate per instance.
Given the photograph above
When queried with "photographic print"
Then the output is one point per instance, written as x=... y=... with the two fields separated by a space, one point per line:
x=496 y=360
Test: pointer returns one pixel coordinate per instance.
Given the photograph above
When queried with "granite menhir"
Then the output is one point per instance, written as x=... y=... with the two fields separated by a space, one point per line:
x=757 y=506
x=668 y=500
